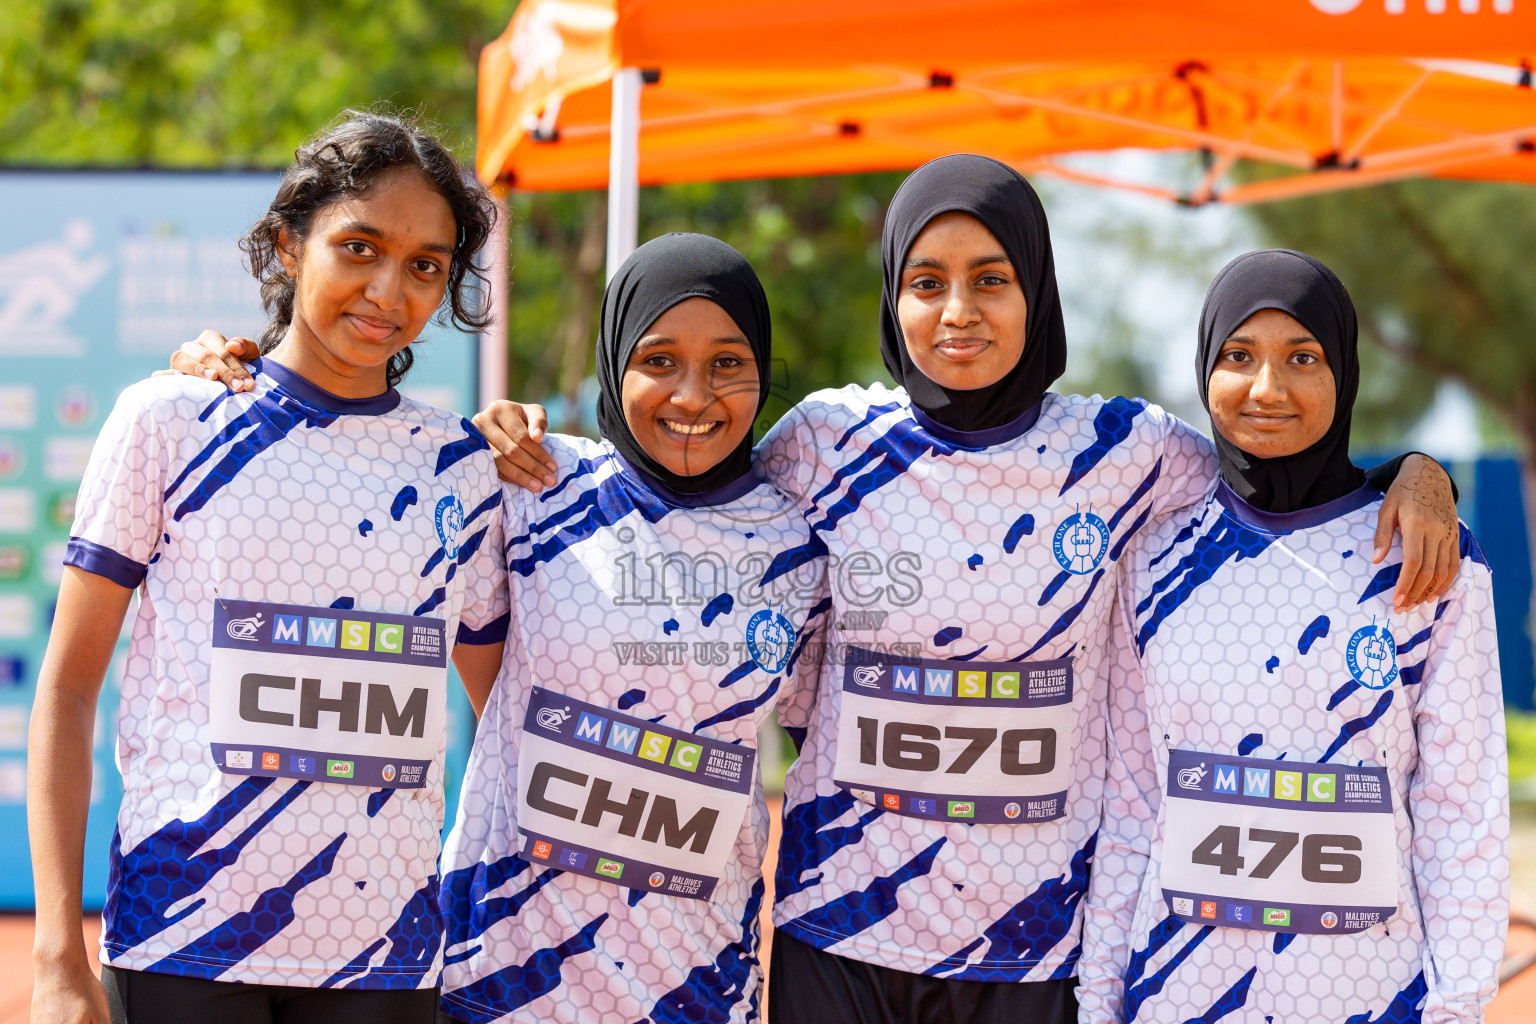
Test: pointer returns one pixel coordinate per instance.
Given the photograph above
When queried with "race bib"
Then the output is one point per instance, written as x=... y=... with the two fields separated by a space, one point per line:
x=956 y=741
x=325 y=694
x=628 y=801
x=1278 y=845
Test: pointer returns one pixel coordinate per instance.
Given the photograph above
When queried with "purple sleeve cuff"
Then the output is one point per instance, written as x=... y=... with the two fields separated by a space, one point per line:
x=493 y=632
x=104 y=562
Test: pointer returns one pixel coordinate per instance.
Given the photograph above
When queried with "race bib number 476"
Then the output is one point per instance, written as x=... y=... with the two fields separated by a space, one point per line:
x=628 y=801
x=1278 y=845
x=957 y=741
x=327 y=695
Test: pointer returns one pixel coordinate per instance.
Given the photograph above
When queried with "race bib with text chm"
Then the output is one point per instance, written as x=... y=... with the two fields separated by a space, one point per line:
x=327 y=694
x=628 y=801
x=1278 y=845
x=982 y=743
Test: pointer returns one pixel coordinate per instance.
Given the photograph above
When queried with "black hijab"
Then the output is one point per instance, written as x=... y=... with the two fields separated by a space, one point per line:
x=1002 y=200
x=1299 y=285
x=657 y=276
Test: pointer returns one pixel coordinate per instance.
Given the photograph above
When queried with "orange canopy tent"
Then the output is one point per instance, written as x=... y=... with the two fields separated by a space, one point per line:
x=1344 y=92
x=581 y=93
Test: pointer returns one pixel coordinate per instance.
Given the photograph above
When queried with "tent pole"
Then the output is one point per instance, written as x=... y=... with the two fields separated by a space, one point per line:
x=624 y=168
x=493 y=340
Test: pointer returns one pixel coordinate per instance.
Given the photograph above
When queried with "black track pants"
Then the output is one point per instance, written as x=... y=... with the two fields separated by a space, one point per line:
x=145 y=997
x=809 y=986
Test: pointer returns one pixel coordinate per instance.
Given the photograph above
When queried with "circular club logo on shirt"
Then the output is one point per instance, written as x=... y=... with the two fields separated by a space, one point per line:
x=1372 y=656
x=1330 y=919
x=770 y=640
x=1081 y=540
x=1012 y=810
x=389 y=773
x=450 y=520
x=656 y=879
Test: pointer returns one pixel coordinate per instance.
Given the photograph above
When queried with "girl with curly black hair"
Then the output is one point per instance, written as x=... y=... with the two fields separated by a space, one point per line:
x=308 y=553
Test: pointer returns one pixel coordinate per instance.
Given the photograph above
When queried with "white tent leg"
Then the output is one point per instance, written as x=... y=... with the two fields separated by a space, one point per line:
x=624 y=168
x=493 y=340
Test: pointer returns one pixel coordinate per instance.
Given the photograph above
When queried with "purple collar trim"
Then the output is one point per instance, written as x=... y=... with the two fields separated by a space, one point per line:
x=309 y=393
x=980 y=438
x=1301 y=519
x=742 y=485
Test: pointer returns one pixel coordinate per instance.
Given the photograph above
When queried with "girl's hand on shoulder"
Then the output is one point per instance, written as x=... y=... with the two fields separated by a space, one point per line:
x=1420 y=505
x=215 y=357
x=514 y=431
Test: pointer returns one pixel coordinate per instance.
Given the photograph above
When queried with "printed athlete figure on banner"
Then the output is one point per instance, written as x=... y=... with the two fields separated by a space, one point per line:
x=906 y=883
x=283 y=721
x=1318 y=777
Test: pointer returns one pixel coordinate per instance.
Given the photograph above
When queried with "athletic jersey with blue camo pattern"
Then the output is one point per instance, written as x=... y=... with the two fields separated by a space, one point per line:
x=1253 y=635
x=288 y=495
x=963 y=548
x=628 y=601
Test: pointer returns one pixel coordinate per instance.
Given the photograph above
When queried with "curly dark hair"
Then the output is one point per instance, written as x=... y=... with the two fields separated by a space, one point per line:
x=342 y=162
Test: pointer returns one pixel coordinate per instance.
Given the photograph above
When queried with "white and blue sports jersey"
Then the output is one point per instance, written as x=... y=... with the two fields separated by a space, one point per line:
x=942 y=815
x=1307 y=806
x=651 y=636
x=277 y=533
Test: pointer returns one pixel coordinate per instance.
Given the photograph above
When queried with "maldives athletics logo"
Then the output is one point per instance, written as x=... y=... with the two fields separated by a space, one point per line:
x=1372 y=656
x=1081 y=541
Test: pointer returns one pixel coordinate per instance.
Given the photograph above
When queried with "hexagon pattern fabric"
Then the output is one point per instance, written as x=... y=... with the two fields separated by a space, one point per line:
x=258 y=496
x=961 y=547
x=1234 y=637
x=623 y=599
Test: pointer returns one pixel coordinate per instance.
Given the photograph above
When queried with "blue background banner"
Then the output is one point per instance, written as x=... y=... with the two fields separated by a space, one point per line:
x=102 y=275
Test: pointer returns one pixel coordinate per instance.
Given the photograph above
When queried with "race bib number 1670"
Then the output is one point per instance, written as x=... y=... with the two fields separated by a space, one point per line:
x=981 y=743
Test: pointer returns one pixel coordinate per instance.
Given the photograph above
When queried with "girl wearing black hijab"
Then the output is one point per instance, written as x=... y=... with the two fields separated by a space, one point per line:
x=606 y=861
x=661 y=275
x=1294 y=285
x=1307 y=810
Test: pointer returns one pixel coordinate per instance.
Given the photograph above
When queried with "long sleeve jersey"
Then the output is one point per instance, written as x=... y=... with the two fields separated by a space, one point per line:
x=607 y=860
x=1306 y=816
x=304 y=562
x=942 y=815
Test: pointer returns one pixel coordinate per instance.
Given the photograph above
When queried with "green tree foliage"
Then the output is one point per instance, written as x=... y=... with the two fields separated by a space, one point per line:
x=212 y=83
x=1440 y=274
x=209 y=83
